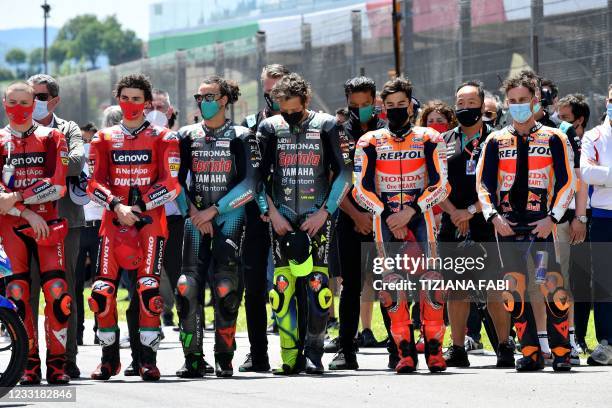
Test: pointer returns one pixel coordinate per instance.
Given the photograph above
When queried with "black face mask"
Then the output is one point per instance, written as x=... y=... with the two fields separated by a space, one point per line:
x=272 y=106
x=293 y=119
x=397 y=117
x=469 y=116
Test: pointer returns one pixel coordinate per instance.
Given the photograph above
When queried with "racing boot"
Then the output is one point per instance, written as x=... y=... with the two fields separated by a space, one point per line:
x=148 y=364
x=193 y=367
x=562 y=363
x=223 y=365
x=286 y=369
x=534 y=362
x=434 y=357
x=408 y=359
x=56 y=373
x=32 y=374
x=110 y=364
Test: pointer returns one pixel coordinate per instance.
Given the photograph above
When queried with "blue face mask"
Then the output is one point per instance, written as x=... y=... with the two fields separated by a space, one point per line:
x=609 y=108
x=521 y=112
x=40 y=110
x=209 y=109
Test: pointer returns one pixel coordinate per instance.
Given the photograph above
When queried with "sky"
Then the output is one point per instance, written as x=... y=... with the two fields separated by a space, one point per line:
x=133 y=14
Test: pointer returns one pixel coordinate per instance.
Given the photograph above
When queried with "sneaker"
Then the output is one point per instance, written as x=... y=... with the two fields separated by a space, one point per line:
x=124 y=342
x=332 y=346
x=344 y=361
x=259 y=365
x=223 y=365
x=602 y=355
x=548 y=358
x=505 y=355
x=332 y=323
x=562 y=363
x=524 y=364
x=473 y=346
x=575 y=355
x=456 y=356
x=132 y=370
x=72 y=370
x=368 y=340
x=193 y=367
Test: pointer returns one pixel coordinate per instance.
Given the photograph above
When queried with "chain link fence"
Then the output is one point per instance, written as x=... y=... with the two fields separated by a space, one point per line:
x=443 y=43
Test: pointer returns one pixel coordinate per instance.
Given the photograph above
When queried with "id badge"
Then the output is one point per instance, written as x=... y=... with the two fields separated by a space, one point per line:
x=470 y=167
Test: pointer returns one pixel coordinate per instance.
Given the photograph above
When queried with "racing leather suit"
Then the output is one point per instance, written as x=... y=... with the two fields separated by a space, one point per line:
x=525 y=178
x=394 y=171
x=221 y=175
x=311 y=169
x=145 y=161
x=40 y=160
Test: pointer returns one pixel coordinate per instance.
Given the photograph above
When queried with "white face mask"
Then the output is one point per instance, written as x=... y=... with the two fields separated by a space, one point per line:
x=40 y=110
x=157 y=118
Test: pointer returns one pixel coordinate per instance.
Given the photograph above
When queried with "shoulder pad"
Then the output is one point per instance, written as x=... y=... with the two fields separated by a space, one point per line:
x=251 y=120
x=170 y=135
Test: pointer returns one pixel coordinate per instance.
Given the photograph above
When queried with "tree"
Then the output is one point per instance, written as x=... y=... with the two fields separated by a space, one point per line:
x=58 y=52
x=80 y=37
x=35 y=60
x=15 y=57
x=118 y=44
x=6 y=74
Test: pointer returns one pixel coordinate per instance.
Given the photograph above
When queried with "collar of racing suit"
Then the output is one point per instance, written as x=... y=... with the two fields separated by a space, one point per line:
x=401 y=134
x=133 y=133
x=534 y=129
x=25 y=134
x=212 y=134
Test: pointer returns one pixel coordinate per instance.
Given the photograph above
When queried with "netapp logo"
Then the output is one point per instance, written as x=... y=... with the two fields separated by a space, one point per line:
x=131 y=157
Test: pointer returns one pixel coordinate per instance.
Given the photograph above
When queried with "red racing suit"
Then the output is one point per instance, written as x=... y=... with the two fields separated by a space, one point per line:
x=392 y=173
x=148 y=160
x=40 y=160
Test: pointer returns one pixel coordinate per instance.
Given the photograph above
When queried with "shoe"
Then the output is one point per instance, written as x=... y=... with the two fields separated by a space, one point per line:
x=420 y=345
x=548 y=358
x=223 y=365
x=332 y=346
x=314 y=366
x=332 y=323
x=105 y=370
x=473 y=346
x=32 y=374
x=96 y=339
x=286 y=369
x=272 y=328
x=149 y=372
x=575 y=355
x=344 y=360
x=255 y=365
x=56 y=373
x=434 y=357
x=124 y=342
x=563 y=363
x=208 y=368
x=393 y=361
x=72 y=369
x=193 y=367
x=456 y=356
x=406 y=365
x=525 y=364
x=505 y=355
x=132 y=370
x=167 y=321
x=369 y=341
x=602 y=355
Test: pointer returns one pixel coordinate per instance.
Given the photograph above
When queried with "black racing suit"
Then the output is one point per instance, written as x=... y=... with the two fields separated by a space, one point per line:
x=255 y=266
x=525 y=178
x=221 y=175
x=311 y=169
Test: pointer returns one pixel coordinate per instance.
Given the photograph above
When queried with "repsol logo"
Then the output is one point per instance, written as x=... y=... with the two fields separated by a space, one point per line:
x=131 y=157
x=25 y=160
x=410 y=154
x=533 y=150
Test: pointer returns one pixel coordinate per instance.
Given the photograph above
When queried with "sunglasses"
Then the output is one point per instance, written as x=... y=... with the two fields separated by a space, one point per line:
x=209 y=97
x=490 y=114
x=42 y=96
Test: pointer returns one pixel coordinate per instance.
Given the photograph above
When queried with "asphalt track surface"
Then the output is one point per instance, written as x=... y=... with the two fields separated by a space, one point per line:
x=481 y=385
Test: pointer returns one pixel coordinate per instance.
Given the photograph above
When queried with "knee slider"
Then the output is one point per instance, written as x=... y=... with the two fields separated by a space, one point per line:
x=558 y=299
x=318 y=285
x=150 y=300
x=227 y=293
x=515 y=293
x=17 y=292
x=277 y=293
x=102 y=293
x=188 y=294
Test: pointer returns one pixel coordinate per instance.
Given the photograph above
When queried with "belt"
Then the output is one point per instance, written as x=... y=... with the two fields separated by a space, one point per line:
x=93 y=224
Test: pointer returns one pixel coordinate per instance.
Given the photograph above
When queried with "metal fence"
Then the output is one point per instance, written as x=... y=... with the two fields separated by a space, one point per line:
x=441 y=47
